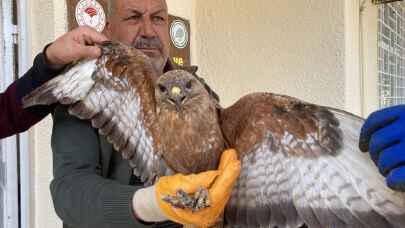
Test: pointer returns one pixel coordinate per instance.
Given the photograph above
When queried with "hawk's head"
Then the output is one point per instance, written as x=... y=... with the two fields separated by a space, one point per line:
x=191 y=138
x=178 y=91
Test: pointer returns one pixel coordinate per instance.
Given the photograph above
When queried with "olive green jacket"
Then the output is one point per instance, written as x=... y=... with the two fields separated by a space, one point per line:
x=90 y=186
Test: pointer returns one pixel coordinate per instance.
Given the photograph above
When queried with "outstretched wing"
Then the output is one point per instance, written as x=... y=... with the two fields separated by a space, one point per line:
x=301 y=164
x=115 y=92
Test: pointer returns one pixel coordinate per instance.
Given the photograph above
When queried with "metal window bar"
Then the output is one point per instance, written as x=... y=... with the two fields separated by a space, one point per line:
x=24 y=63
x=8 y=153
x=391 y=54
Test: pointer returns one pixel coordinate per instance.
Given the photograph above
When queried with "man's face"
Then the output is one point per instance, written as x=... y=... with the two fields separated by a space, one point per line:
x=142 y=24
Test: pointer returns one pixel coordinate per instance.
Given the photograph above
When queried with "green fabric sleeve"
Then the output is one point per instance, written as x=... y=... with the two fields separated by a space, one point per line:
x=80 y=194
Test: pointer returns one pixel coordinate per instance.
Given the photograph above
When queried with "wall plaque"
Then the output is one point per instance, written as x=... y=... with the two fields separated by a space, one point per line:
x=87 y=12
x=179 y=30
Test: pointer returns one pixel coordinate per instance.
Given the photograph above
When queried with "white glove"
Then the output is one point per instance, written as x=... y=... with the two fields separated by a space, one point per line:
x=146 y=206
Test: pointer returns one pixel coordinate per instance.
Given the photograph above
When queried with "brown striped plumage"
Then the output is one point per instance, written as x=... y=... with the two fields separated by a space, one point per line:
x=184 y=150
x=254 y=115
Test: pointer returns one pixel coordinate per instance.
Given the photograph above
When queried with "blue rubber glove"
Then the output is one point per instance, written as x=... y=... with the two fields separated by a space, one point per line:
x=383 y=135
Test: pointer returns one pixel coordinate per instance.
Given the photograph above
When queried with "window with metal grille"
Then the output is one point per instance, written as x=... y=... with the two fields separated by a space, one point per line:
x=391 y=54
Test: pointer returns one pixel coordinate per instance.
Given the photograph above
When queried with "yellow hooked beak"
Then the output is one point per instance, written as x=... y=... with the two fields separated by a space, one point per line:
x=176 y=97
x=175 y=91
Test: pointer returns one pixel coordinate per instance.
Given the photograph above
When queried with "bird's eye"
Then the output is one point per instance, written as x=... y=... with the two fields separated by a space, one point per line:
x=162 y=88
x=189 y=84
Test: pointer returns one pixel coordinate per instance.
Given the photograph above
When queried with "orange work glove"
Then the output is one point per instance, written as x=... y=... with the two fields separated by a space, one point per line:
x=219 y=189
x=146 y=203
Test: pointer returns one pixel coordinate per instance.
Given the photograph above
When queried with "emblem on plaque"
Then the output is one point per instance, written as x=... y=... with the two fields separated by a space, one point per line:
x=179 y=34
x=90 y=13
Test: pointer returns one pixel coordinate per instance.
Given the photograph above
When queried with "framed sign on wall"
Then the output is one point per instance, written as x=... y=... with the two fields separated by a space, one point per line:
x=87 y=12
x=179 y=30
x=94 y=13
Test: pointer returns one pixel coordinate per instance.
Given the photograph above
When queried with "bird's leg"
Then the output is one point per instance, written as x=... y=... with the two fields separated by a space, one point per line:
x=181 y=200
x=201 y=199
x=195 y=201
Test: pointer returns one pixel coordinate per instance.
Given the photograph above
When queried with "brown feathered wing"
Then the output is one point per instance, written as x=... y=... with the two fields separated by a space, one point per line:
x=301 y=164
x=115 y=92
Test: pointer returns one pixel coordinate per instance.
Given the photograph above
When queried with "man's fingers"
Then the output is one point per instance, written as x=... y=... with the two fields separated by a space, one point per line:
x=92 y=52
x=219 y=193
x=396 y=179
x=224 y=182
x=376 y=121
x=91 y=36
x=227 y=157
x=204 y=179
x=189 y=183
x=384 y=138
x=391 y=158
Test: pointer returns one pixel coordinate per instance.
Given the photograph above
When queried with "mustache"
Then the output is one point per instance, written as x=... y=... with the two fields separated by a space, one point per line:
x=147 y=43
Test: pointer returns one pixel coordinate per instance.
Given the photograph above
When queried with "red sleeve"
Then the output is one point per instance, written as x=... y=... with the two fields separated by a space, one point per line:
x=13 y=119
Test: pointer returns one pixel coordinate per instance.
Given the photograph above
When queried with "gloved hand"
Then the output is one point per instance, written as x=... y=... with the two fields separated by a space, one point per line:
x=149 y=205
x=383 y=136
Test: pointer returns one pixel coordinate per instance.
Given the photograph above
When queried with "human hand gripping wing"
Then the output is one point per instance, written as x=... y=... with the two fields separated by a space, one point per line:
x=115 y=92
x=301 y=164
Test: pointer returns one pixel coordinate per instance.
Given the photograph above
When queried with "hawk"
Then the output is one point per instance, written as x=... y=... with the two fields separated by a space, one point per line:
x=300 y=161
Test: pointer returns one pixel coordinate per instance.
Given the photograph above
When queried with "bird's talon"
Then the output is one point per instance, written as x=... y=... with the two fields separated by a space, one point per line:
x=173 y=201
x=182 y=200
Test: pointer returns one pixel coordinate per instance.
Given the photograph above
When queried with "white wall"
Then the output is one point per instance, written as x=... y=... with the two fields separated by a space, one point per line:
x=283 y=46
x=361 y=68
x=47 y=21
x=369 y=28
